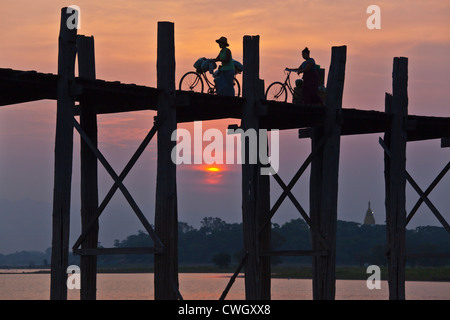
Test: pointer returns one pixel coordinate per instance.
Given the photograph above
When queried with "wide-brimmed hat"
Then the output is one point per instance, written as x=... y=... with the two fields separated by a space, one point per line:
x=223 y=40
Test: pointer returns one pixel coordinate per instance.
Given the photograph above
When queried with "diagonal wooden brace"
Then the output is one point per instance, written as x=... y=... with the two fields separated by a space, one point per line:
x=233 y=278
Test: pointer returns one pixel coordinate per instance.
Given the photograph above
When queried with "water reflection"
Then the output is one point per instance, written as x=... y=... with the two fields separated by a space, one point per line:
x=209 y=286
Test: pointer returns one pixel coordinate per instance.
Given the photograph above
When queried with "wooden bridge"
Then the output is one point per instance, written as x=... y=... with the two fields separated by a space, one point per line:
x=86 y=97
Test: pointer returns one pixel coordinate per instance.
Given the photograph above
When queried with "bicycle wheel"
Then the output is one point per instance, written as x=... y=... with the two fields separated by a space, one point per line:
x=191 y=81
x=237 y=87
x=276 y=92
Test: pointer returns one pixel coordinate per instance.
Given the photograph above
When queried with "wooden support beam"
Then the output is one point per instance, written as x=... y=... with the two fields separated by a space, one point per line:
x=255 y=187
x=423 y=195
x=294 y=253
x=166 y=213
x=293 y=199
x=445 y=143
x=427 y=192
x=93 y=220
x=287 y=192
x=17 y=86
x=428 y=203
x=233 y=278
x=250 y=171
x=442 y=255
x=395 y=179
x=89 y=172
x=121 y=186
x=89 y=252
x=263 y=213
x=324 y=181
x=63 y=160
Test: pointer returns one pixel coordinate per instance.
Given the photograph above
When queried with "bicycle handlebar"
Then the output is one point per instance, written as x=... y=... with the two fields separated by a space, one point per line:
x=288 y=71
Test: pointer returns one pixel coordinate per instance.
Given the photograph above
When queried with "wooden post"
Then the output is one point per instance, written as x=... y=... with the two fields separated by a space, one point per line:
x=89 y=172
x=166 y=219
x=63 y=160
x=255 y=187
x=395 y=175
x=262 y=214
x=250 y=171
x=315 y=187
x=324 y=182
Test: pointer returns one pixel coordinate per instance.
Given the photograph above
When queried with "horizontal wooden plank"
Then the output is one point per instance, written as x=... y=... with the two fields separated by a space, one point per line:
x=284 y=116
x=428 y=255
x=108 y=251
x=293 y=253
x=445 y=142
x=18 y=86
x=114 y=97
x=426 y=127
x=193 y=106
x=354 y=121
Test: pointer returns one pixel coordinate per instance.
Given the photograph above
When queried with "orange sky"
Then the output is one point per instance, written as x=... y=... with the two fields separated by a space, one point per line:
x=125 y=35
x=125 y=39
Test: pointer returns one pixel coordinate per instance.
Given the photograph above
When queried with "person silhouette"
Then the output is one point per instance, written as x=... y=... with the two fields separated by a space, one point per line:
x=311 y=80
x=225 y=76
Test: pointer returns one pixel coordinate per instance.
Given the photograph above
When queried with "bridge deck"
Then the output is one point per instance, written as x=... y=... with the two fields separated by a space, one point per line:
x=18 y=86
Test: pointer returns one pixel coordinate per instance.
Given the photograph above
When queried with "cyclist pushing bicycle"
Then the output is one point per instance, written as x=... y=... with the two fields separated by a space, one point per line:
x=306 y=91
x=310 y=85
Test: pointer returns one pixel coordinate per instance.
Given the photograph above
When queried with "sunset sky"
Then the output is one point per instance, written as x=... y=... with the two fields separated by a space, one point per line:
x=125 y=43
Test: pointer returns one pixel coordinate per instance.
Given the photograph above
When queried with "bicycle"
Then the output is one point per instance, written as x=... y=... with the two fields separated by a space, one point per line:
x=194 y=81
x=277 y=90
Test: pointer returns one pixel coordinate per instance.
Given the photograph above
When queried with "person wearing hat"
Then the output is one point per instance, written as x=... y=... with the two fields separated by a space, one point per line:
x=311 y=79
x=225 y=78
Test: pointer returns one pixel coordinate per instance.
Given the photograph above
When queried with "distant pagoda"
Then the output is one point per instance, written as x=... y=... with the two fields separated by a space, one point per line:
x=369 y=219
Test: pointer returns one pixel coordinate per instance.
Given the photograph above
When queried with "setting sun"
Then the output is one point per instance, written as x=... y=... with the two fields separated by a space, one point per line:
x=212 y=175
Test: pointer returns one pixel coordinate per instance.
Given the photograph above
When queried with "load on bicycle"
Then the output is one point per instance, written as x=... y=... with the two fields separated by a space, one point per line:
x=203 y=65
x=196 y=80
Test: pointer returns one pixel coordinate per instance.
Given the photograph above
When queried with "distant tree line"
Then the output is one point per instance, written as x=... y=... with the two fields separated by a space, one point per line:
x=220 y=243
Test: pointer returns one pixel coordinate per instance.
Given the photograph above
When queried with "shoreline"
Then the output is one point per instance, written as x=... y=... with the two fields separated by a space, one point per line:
x=436 y=274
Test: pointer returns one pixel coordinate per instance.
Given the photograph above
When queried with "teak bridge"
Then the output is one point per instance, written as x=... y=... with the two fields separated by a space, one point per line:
x=324 y=125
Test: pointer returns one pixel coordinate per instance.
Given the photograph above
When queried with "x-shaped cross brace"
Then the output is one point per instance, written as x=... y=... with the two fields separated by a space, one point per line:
x=118 y=183
x=423 y=195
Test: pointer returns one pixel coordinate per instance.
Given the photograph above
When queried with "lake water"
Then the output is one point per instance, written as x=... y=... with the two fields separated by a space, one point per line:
x=209 y=286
